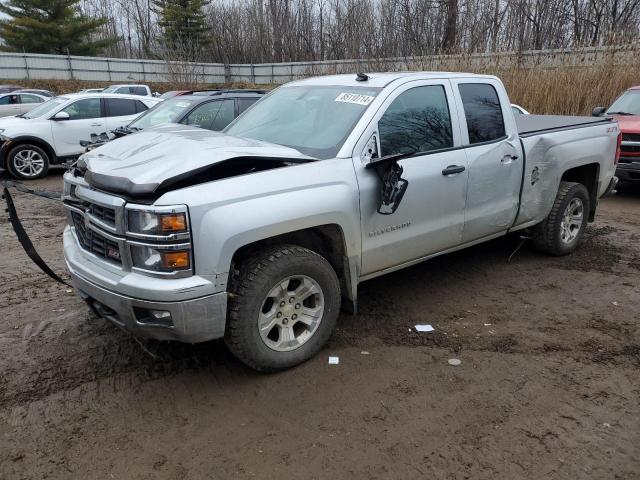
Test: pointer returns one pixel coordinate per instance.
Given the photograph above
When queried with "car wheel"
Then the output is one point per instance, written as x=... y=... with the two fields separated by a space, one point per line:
x=283 y=307
x=563 y=228
x=27 y=162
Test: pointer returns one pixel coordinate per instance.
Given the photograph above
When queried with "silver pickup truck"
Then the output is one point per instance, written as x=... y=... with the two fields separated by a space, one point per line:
x=262 y=233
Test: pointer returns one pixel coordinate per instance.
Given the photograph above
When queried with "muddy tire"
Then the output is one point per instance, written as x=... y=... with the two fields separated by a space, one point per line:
x=27 y=162
x=283 y=307
x=560 y=233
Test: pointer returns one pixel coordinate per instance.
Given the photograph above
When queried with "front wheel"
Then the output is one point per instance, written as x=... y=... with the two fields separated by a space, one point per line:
x=283 y=307
x=27 y=162
x=561 y=231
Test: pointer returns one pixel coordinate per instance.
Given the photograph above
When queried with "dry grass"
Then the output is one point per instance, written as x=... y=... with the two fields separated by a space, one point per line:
x=563 y=89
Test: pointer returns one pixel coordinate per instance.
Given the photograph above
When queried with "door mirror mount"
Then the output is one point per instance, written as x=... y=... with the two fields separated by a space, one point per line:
x=60 y=116
x=598 y=111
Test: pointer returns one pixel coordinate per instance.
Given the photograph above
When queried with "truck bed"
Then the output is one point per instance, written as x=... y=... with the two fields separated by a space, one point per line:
x=529 y=125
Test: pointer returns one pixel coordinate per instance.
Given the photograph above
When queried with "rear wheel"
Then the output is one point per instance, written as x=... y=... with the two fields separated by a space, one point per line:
x=27 y=162
x=283 y=307
x=563 y=228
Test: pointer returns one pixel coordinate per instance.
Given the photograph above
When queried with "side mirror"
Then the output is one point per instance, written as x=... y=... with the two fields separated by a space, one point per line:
x=61 y=116
x=598 y=111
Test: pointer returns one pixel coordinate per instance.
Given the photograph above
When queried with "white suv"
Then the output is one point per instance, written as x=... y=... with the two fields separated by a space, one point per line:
x=142 y=90
x=51 y=133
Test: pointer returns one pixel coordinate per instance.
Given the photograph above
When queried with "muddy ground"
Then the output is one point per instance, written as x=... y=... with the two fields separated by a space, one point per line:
x=549 y=384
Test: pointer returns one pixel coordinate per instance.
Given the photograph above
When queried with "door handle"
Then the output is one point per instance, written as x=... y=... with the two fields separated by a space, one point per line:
x=453 y=169
x=509 y=158
x=96 y=125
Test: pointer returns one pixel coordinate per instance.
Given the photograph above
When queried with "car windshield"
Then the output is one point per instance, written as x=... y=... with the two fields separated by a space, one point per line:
x=170 y=94
x=111 y=89
x=627 y=103
x=168 y=111
x=314 y=120
x=45 y=108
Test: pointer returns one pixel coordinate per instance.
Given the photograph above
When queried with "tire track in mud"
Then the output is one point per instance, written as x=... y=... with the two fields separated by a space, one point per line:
x=99 y=352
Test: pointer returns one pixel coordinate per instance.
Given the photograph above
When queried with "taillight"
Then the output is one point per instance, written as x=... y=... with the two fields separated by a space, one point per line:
x=617 y=159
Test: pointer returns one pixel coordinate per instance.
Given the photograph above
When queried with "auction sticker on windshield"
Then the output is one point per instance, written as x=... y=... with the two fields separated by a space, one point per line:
x=354 y=98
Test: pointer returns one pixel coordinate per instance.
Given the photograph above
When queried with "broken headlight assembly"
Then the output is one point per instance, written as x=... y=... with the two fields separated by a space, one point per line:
x=159 y=239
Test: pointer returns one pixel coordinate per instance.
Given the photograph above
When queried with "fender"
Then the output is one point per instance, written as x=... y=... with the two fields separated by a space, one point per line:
x=229 y=214
x=10 y=143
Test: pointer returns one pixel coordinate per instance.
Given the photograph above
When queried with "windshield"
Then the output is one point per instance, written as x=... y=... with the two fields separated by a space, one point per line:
x=111 y=89
x=168 y=111
x=628 y=102
x=170 y=94
x=46 y=108
x=314 y=120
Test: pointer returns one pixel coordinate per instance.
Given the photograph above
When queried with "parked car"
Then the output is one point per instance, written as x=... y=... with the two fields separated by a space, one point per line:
x=52 y=131
x=142 y=90
x=626 y=110
x=91 y=90
x=19 y=102
x=518 y=110
x=174 y=93
x=260 y=234
x=44 y=93
x=9 y=88
x=211 y=113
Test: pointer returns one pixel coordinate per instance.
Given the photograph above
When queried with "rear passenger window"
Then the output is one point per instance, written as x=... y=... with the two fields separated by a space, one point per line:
x=120 y=107
x=483 y=112
x=138 y=91
x=418 y=120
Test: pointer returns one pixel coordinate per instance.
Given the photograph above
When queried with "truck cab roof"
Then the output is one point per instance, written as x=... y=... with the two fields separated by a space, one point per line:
x=380 y=80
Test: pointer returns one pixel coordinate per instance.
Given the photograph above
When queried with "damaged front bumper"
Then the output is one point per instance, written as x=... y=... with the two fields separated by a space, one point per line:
x=190 y=320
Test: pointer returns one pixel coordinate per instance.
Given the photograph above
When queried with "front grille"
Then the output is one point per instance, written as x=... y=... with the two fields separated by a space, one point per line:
x=106 y=214
x=631 y=137
x=94 y=242
x=630 y=149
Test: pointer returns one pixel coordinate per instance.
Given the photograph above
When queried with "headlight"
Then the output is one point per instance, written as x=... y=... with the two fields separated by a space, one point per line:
x=157 y=223
x=161 y=259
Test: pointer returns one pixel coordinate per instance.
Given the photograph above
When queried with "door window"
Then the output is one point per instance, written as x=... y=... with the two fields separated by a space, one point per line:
x=123 y=90
x=244 y=103
x=84 y=109
x=418 y=120
x=138 y=90
x=120 y=107
x=483 y=112
x=26 y=98
x=9 y=100
x=213 y=115
x=140 y=106
x=203 y=115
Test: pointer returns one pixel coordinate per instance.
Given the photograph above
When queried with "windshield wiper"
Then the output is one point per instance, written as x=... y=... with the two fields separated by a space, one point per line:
x=620 y=113
x=20 y=116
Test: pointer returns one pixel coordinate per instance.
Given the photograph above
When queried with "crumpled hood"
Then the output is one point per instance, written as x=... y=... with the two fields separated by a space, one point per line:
x=141 y=163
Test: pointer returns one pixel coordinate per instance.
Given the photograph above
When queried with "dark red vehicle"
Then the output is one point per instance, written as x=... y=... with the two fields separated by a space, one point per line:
x=626 y=109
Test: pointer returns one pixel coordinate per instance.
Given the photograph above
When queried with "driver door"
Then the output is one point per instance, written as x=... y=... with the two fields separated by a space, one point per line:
x=85 y=118
x=418 y=117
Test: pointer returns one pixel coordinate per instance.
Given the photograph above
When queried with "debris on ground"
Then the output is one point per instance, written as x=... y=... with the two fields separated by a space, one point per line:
x=424 y=328
x=334 y=360
x=454 y=361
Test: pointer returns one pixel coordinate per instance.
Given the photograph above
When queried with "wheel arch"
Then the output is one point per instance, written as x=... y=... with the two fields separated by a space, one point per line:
x=22 y=140
x=326 y=240
x=588 y=176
